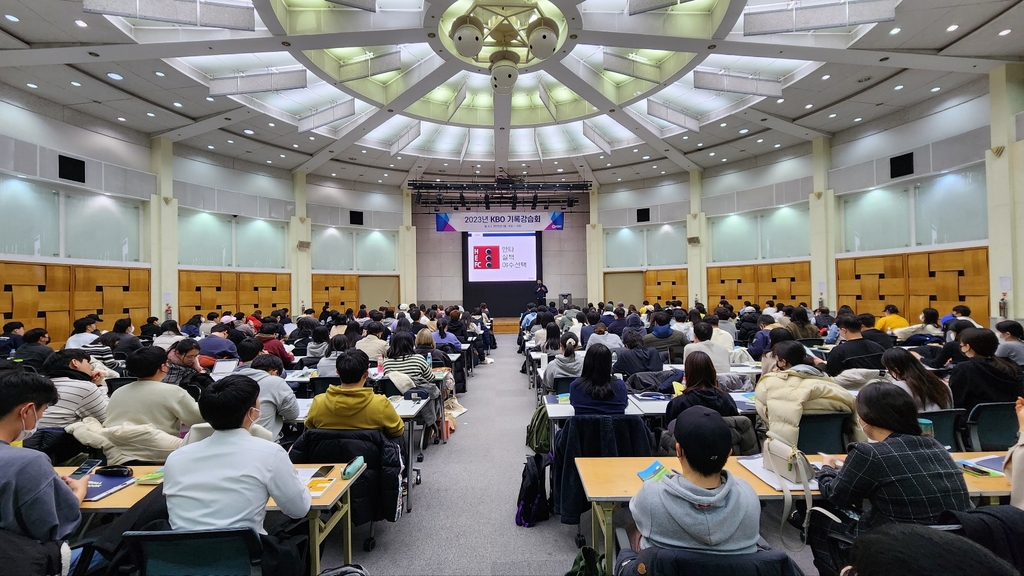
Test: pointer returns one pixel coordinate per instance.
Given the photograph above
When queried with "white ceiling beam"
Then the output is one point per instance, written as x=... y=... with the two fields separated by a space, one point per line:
x=502 y=129
x=254 y=82
x=465 y=146
x=405 y=138
x=641 y=128
x=781 y=124
x=354 y=131
x=888 y=59
x=185 y=48
x=208 y=124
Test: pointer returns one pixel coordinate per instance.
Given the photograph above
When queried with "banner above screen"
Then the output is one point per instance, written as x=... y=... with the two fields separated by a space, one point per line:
x=499 y=221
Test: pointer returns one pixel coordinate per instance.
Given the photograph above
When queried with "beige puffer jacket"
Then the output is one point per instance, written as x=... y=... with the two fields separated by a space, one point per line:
x=782 y=398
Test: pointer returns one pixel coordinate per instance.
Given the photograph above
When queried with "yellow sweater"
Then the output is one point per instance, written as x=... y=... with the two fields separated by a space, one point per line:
x=891 y=322
x=354 y=409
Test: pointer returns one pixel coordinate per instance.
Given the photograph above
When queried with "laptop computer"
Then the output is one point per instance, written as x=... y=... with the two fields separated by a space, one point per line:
x=223 y=367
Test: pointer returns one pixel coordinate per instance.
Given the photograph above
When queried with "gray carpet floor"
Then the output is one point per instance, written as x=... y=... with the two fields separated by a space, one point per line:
x=463 y=517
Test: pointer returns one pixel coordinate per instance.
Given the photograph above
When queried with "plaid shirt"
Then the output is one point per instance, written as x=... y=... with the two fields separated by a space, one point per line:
x=909 y=479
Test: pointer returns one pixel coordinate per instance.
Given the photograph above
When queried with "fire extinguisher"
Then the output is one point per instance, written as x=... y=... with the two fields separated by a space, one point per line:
x=168 y=313
x=821 y=300
x=1002 y=306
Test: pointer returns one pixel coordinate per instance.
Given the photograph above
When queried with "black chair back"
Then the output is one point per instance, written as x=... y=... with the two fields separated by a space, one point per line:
x=993 y=426
x=660 y=562
x=320 y=385
x=388 y=388
x=868 y=361
x=822 y=433
x=945 y=423
x=562 y=385
x=228 y=552
x=811 y=341
x=114 y=383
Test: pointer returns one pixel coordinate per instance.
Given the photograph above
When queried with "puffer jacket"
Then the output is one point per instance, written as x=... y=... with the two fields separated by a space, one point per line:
x=127 y=442
x=747 y=326
x=782 y=398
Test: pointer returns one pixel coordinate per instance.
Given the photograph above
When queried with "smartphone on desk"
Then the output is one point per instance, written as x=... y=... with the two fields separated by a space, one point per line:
x=323 y=471
x=84 y=469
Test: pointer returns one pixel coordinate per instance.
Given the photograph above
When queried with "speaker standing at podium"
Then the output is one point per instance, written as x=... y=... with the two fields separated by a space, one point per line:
x=540 y=293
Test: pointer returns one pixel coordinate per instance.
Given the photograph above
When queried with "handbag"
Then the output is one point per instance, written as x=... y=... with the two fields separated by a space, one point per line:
x=791 y=465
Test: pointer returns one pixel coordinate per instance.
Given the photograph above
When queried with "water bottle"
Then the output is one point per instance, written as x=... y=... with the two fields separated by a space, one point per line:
x=380 y=364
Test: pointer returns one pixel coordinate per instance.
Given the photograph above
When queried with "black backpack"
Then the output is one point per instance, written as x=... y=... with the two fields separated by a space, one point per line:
x=534 y=505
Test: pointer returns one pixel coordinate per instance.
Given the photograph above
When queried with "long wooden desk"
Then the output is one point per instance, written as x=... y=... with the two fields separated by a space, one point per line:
x=609 y=482
x=337 y=499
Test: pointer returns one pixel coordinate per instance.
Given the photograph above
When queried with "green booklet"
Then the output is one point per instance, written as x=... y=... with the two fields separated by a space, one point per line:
x=653 y=472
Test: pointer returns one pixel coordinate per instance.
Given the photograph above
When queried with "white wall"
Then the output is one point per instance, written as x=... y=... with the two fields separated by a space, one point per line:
x=564 y=258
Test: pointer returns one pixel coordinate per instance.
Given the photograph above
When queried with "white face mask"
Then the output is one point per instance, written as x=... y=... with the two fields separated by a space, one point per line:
x=26 y=432
x=921 y=317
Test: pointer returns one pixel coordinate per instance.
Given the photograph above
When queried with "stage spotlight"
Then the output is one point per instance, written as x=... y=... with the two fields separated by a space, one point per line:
x=462 y=199
x=440 y=199
x=542 y=35
x=487 y=201
x=419 y=198
x=533 y=204
x=504 y=71
x=468 y=35
x=515 y=200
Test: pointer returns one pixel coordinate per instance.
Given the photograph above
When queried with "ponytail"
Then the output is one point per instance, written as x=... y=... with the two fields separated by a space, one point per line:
x=569 y=342
x=442 y=327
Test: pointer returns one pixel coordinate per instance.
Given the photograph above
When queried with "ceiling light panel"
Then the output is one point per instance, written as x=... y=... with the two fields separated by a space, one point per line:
x=405 y=138
x=635 y=7
x=227 y=16
x=372 y=66
x=368 y=5
x=672 y=115
x=258 y=82
x=327 y=116
x=591 y=133
x=802 y=17
x=722 y=81
x=631 y=67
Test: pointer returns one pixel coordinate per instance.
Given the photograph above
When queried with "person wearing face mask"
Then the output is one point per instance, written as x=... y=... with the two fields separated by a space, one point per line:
x=908 y=478
x=1011 y=347
x=39 y=510
x=929 y=325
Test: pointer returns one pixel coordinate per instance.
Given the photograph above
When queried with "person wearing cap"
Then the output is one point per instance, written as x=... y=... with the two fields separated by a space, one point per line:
x=891 y=320
x=700 y=507
x=84 y=332
x=609 y=314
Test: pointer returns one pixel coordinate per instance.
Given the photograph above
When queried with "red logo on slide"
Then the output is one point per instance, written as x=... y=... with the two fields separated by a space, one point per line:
x=486 y=257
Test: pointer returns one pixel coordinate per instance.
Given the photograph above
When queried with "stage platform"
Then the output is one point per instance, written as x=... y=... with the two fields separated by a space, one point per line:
x=505 y=326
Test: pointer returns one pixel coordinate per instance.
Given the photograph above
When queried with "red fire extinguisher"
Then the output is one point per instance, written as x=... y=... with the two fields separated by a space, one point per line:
x=1002 y=306
x=168 y=313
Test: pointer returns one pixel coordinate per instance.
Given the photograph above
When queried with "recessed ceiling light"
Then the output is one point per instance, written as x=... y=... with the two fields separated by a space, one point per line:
x=282 y=155
x=898 y=87
x=521 y=164
x=209 y=99
x=895 y=31
x=120 y=119
x=525 y=172
x=477 y=171
x=936 y=89
x=249 y=132
x=385 y=174
x=150 y=114
x=759 y=140
x=833 y=115
x=952 y=27
x=780 y=100
x=563 y=179
x=711 y=154
x=269 y=162
x=447 y=164
x=31 y=85
x=699 y=144
x=399 y=157
x=177 y=104
x=601 y=157
x=231 y=141
x=826 y=76
x=744 y=131
x=809 y=106
x=662 y=171
x=271 y=124
x=81 y=23
x=559 y=170
x=655 y=166
x=114 y=76
x=295 y=145
x=1005 y=32
x=635 y=150
x=857 y=119
x=333 y=174
x=210 y=147
x=391 y=165
x=686 y=137
x=379 y=181
x=76 y=84
x=723 y=124
x=477 y=165
x=725 y=159
x=778 y=145
x=608 y=164
x=556 y=162
x=12 y=17
x=312 y=138
x=646 y=158
x=619 y=180
x=159 y=73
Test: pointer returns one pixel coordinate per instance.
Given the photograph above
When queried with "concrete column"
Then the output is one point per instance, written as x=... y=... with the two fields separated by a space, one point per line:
x=595 y=251
x=300 y=259
x=407 y=272
x=160 y=242
x=824 y=227
x=697 y=253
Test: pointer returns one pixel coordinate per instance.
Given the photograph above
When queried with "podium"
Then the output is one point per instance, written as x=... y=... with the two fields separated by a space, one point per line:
x=564 y=300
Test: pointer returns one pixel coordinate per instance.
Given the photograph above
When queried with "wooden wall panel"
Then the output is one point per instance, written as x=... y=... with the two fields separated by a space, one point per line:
x=39 y=295
x=113 y=293
x=868 y=284
x=665 y=285
x=263 y=291
x=201 y=292
x=732 y=283
x=338 y=290
x=942 y=280
x=788 y=283
x=627 y=287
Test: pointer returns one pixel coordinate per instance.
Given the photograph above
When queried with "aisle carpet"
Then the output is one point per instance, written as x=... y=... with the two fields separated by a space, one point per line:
x=463 y=517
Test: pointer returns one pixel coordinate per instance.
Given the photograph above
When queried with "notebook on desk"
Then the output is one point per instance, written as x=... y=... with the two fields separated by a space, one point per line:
x=102 y=486
x=223 y=367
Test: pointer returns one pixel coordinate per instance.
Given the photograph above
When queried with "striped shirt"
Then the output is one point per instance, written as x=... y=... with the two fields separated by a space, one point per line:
x=79 y=399
x=101 y=353
x=414 y=366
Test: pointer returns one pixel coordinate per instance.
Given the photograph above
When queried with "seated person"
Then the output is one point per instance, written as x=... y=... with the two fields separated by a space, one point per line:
x=907 y=477
x=928 y=390
x=34 y=350
x=212 y=319
x=268 y=335
x=1013 y=464
x=774 y=337
x=148 y=400
x=619 y=323
x=402 y=358
x=319 y=343
x=832 y=335
x=854 y=347
x=662 y=336
x=102 y=350
x=597 y=391
x=217 y=345
x=11 y=338
x=351 y=405
x=129 y=342
x=587 y=330
x=170 y=334
x=984 y=377
x=191 y=327
x=568 y=364
x=759 y=343
x=869 y=332
x=35 y=502
x=372 y=344
x=327 y=366
x=151 y=329
x=84 y=332
x=605 y=338
x=702 y=332
x=636 y=358
x=277 y=401
x=701 y=389
x=929 y=325
x=425 y=347
x=797 y=388
x=719 y=336
x=702 y=507
x=183 y=362
x=949 y=354
x=890 y=320
x=912 y=550
x=225 y=480
x=1011 y=347
x=76 y=383
x=800 y=325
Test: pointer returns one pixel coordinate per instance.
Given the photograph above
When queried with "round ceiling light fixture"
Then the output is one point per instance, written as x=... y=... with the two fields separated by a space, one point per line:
x=542 y=34
x=504 y=71
x=468 y=35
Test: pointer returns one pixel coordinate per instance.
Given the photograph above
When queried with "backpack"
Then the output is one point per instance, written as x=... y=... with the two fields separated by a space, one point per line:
x=533 y=505
x=538 y=431
x=922 y=340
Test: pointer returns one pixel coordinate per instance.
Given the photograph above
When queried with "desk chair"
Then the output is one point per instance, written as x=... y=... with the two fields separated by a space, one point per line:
x=562 y=384
x=869 y=361
x=993 y=426
x=114 y=383
x=822 y=433
x=229 y=552
x=319 y=385
x=944 y=423
x=811 y=341
x=664 y=562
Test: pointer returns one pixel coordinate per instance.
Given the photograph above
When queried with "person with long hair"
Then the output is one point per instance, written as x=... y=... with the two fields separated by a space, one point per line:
x=929 y=324
x=984 y=377
x=597 y=391
x=949 y=353
x=567 y=364
x=551 y=341
x=170 y=334
x=401 y=357
x=191 y=328
x=425 y=347
x=443 y=336
x=907 y=477
x=319 y=343
x=775 y=335
x=353 y=332
x=1011 y=347
x=327 y=364
x=928 y=390
x=701 y=389
x=800 y=324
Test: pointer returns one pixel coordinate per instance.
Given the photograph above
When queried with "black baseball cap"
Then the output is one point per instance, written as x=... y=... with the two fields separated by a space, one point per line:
x=891 y=309
x=704 y=437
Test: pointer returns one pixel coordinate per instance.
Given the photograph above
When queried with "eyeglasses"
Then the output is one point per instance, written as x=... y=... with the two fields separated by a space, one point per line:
x=191 y=357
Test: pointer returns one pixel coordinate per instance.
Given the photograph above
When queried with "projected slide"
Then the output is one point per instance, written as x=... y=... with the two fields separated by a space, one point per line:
x=509 y=257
